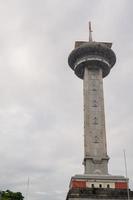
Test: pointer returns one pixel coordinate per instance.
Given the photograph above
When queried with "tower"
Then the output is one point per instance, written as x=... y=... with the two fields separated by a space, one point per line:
x=92 y=61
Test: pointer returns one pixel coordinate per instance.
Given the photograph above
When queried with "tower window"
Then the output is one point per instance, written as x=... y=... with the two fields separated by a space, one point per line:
x=108 y=186
x=100 y=185
x=92 y=185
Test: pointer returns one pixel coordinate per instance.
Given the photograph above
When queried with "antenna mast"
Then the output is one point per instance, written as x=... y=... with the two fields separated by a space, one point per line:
x=27 y=189
x=125 y=160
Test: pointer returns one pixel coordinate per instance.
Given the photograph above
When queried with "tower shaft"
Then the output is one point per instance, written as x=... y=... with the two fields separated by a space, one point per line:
x=95 y=150
x=92 y=61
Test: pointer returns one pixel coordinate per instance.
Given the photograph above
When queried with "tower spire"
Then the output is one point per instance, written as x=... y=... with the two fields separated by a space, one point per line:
x=90 y=32
x=92 y=61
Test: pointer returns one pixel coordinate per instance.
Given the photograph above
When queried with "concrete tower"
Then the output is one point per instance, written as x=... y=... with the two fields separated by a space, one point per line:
x=92 y=61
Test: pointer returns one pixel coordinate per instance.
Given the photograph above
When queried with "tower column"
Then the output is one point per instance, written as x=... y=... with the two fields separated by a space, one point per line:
x=92 y=61
x=95 y=150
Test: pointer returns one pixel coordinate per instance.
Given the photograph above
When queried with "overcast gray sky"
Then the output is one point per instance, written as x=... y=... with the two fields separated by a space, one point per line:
x=41 y=107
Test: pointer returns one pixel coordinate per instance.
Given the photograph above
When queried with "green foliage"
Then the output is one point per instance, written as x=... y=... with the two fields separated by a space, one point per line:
x=9 y=195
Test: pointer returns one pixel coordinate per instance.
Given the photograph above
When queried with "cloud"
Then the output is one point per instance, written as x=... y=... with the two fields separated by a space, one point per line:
x=41 y=104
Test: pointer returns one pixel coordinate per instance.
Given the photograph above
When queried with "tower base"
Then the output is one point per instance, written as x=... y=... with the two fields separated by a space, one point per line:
x=85 y=187
x=98 y=193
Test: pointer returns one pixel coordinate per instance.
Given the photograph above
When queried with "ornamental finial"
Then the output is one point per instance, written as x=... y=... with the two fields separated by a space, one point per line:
x=90 y=32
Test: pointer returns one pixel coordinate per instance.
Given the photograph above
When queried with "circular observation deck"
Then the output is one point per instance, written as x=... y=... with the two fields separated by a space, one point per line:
x=92 y=55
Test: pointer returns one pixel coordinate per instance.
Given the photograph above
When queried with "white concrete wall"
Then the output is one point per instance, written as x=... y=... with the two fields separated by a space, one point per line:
x=104 y=184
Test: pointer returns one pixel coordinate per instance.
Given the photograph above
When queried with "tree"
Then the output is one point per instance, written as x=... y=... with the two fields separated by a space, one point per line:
x=9 y=195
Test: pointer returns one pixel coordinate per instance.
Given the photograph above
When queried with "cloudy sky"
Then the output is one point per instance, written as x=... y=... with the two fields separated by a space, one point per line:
x=41 y=103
